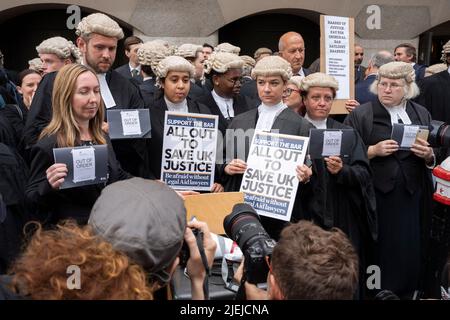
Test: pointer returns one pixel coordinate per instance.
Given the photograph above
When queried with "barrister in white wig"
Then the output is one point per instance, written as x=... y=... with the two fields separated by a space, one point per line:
x=56 y=52
x=340 y=193
x=402 y=179
x=271 y=75
x=173 y=76
x=224 y=71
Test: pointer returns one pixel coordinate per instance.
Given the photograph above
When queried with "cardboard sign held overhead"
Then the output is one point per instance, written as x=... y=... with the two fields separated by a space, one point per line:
x=337 y=51
x=212 y=208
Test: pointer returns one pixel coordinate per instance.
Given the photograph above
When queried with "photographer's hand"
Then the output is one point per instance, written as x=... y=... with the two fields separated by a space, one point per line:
x=252 y=292
x=195 y=268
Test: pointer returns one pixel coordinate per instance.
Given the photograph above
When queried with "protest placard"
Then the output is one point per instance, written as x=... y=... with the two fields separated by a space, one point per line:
x=189 y=151
x=129 y=123
x=86 y=165
x=337 y=57
x=270 y=182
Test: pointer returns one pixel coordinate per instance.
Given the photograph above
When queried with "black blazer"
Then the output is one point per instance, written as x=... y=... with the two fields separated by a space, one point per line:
x=155 y=144
x=241 y=104
x=420 y=71
x=75 y=203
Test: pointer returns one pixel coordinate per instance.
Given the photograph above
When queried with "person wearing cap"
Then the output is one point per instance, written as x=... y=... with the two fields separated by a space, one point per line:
x=340 y=193
x=402 y=179
x=261 y=53
x=78 y=114
x=193 y=53
x=146 y=220
x=292 y=48
x=97 y=40
x=292 y=97
x=249 y=64
x=174 y=76
x=149 y=55
x=224 y=70
x=57 y=52
x=271 y=75
x=434 y=90
x=132 y=69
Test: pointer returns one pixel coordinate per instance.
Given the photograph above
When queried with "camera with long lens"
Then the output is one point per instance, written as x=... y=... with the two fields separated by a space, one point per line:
x=243 y=225
x=439 y=134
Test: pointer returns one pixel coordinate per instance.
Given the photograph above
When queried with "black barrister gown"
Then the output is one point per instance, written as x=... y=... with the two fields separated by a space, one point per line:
x=345 y=200
x=155 y=144
x=74 y=203
x=403 y=190
x=287 y=122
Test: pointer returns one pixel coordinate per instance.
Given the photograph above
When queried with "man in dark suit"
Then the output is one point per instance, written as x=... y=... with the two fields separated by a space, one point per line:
x=362 y=88
x=292 y=48
x=406 y=52
x=360 y=71
x=132 y=69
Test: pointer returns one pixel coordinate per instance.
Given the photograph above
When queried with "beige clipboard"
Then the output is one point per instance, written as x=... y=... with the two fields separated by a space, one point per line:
x=212 y=208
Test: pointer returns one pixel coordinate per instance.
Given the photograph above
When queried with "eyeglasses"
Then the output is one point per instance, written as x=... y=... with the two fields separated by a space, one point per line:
x=392 y=86
x=288 y=92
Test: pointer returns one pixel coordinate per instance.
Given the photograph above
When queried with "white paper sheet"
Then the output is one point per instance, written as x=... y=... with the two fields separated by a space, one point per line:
x=130 y=122
x=409 y=136
x=332 y=141
x=83 y=164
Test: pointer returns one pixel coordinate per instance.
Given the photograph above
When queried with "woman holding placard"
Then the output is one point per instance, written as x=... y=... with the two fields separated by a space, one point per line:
x=174 y=76
x=271 y=75
x=401 y=178
x=77 y=120
x=340 y=193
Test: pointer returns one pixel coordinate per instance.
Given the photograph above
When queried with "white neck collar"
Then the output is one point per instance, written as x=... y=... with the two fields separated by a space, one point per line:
x=319 y=124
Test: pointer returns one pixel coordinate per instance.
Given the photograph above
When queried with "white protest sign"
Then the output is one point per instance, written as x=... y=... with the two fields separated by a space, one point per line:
x=332 y=141
x=130 y=122
x=270 y=182
x=409 y=136
x=189 y=151
x=83 y=164
x=337 y=46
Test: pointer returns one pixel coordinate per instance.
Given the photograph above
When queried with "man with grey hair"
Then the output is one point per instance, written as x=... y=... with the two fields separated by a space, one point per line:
x=362 y=92
x=97 y=40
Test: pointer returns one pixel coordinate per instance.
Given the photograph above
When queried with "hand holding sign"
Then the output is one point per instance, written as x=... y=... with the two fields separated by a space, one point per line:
x=56 y=174
x=383 y=149
x=304 y=173
x=334 y=164
x=421 y=149
x=236 y=166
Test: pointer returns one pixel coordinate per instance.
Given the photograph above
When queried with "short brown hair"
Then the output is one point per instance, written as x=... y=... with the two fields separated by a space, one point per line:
x=313 y=264
x=410 y=50
x=129 y=41
x=41 y=272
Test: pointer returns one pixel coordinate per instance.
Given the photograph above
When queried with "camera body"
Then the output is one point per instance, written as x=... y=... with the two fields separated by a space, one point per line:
x=243 y=225
x=185 y=253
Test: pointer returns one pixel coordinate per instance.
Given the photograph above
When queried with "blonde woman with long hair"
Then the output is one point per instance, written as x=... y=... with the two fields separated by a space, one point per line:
x=78 y=113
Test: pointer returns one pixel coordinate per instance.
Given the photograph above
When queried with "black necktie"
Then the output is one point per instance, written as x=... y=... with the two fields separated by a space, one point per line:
x=399 y=120
x=134 y=73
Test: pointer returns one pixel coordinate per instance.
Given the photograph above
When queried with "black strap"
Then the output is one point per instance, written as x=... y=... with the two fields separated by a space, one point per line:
x=205 y=264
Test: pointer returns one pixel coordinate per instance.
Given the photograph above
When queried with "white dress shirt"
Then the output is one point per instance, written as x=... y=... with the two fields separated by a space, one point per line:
x=225 y=105
x=319 y=124
x=178 y=107
x=268 y=114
